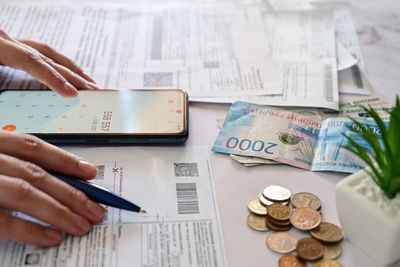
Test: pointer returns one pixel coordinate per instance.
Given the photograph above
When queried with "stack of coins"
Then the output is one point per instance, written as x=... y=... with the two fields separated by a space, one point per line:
x=271 y=211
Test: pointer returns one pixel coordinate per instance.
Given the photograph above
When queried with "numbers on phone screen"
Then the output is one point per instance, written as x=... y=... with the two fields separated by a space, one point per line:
x=106 y=123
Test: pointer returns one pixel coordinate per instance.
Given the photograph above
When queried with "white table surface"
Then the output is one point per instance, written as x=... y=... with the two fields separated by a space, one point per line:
x=378 y=27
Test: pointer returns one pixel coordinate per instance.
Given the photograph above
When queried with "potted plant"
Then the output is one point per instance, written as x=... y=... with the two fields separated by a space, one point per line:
x=368 y=202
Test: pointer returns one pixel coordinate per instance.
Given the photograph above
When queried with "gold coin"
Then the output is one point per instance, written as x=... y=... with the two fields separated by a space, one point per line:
x=306 y=200
x=257 y=222
x=255 y=206
x=281 y=242
x=327 y=263
x=291 y=261
x=332 y=251
x=275 y=227
x=280 y=223
x=279 y=212
x=309 y=249
x=305 y=218
x=266 y=202
x=276 y=193
x=327 y=232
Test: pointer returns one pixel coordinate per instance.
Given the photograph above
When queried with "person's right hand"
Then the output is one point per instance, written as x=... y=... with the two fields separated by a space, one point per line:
x=27 y=188
x=45 y=64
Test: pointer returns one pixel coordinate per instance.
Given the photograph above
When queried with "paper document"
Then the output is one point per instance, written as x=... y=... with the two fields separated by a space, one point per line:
x=208 y=50
x=303 y=49
x=182 y=227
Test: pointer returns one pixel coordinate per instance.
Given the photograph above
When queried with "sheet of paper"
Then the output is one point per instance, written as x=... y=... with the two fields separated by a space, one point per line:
x=303 y=48
x=182 y=227
x=344 y=59
x=208 y=50
x=352 y=80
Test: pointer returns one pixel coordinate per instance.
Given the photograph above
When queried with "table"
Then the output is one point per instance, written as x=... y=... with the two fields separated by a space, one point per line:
x=378 y=27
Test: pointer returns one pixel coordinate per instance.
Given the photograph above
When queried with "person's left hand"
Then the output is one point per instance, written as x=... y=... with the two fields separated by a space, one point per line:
x=45 y=64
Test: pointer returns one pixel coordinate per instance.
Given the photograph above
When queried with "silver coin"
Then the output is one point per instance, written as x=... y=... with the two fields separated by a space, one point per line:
x=276 y=193
x=281 y=242
x=266 y=202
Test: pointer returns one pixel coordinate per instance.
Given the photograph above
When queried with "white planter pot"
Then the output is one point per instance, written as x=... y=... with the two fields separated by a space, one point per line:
x=368 y=218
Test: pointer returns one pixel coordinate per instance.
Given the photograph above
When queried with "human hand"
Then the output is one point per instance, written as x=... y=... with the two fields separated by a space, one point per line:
x=48 y=66
x=27 y=188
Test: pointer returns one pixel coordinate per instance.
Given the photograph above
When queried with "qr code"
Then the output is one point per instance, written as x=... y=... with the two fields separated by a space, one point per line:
x=158 y=79
x=186 y=169
x=100 y=173
x=32 y=259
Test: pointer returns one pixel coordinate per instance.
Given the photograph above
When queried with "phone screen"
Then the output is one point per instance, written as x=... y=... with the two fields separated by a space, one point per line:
x=94 y=112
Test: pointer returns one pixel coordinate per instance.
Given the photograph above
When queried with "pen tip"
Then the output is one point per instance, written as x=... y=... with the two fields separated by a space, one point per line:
x=143 y=211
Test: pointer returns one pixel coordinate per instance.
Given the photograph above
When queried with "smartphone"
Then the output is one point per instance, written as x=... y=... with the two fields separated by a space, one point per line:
x=98 y=117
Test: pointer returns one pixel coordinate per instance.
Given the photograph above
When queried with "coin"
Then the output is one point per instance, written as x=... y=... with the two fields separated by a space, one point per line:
x=309 y=249
x=276 y=193
x=279 y=212
x=257 y=222
x=332 y=251
x=306 y=200
x=275 y=227
x=327 y=232
x=305 y=218
x=255 y=206
x=291 y=261
x=281 y=242
x=266 y=202
x=327 y=263
x=280 y=223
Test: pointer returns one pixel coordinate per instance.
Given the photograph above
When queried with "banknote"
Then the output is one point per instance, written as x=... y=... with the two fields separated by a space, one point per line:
x=269 y=133
x=352 y=108
x=253 y=161
x=330 y=155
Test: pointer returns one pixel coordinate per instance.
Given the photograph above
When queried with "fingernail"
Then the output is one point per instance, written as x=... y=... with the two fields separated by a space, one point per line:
x=88 y=169
x=95 y=209
x=70 y=88
x=91 y=86
x=81 y=223
x=53 y=234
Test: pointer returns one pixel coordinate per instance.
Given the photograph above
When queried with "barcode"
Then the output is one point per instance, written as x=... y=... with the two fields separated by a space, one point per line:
x=186 y=195
x=328 y=83
x=186 y=169
x=158 y=79
x=356 y=73
x=100 y=173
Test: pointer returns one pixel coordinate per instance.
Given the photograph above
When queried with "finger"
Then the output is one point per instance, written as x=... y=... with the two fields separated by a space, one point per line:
x=16 y=229
x=76 y=80
x=17 y=194
x=32 y=149
x=60 y=191
x=49 y=52
x=19 y=57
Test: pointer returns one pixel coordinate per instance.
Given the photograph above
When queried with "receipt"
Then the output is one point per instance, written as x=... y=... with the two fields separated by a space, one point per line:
x=181 y=228
x=303 y=49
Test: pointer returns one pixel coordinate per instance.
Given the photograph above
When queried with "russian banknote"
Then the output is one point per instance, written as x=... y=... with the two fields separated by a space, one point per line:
x=330 y=155
x=269 y=133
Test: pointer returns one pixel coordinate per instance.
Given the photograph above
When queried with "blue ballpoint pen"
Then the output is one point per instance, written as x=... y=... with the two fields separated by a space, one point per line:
x=98 y=193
